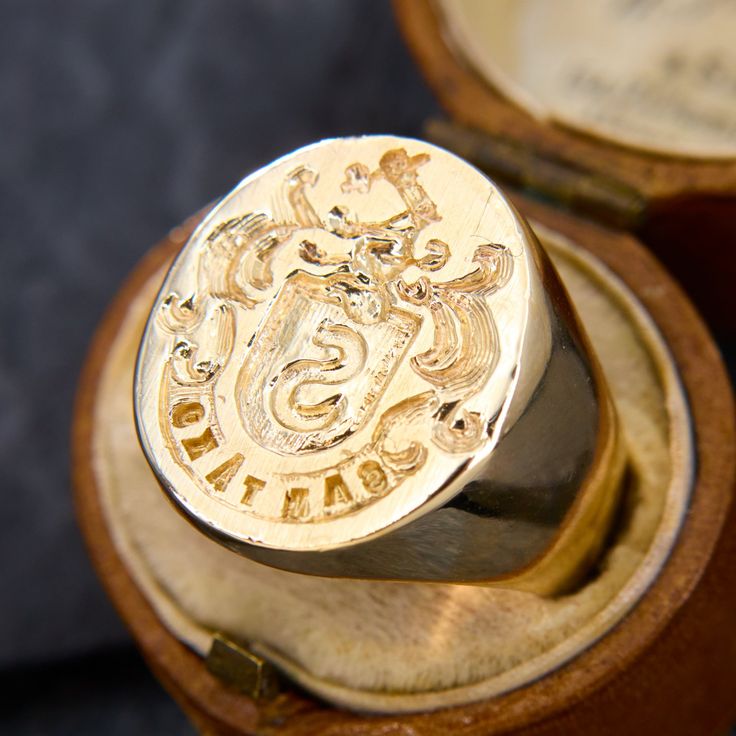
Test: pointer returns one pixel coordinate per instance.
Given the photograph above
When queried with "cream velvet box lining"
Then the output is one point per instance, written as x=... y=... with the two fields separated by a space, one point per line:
x=400 y=647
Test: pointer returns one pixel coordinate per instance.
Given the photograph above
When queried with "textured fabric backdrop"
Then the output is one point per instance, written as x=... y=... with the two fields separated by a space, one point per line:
x=120 y=118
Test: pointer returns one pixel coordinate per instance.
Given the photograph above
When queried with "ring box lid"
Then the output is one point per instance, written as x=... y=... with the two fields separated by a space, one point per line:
x=623 y=111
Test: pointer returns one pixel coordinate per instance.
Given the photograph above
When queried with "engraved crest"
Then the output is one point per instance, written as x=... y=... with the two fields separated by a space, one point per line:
x=299 y=323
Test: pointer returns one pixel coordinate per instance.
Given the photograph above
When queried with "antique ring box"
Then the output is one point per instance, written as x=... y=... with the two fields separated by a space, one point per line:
x=457 y=471
x=620 y=111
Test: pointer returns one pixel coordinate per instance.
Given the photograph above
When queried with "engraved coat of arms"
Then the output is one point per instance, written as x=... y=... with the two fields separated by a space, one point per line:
x=344 y=318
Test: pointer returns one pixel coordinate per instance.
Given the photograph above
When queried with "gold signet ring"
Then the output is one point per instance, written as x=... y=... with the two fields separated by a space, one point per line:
x=362 y=364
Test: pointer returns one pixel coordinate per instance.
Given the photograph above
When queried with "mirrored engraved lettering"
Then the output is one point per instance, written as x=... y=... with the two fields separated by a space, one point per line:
x=185 y=413
x=252 y=486
x=296 y=503
x=221 y=476
x=336 y=491
x=197 y=446
x=373 y=477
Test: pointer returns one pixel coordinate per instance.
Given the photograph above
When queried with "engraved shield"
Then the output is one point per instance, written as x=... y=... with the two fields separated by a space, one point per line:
x=313 y=374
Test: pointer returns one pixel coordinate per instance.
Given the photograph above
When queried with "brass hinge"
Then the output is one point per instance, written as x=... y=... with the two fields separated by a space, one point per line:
x=603 y=199
x=241 y=669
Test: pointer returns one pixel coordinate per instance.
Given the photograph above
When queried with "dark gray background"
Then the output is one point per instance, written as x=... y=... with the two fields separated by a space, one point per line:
x=118 y=119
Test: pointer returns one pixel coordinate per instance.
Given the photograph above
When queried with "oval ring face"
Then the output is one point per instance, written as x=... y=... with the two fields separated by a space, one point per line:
x=333 y=351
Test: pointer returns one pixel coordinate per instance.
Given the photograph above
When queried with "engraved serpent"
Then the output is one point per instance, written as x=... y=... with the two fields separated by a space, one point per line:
x=286 y=404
